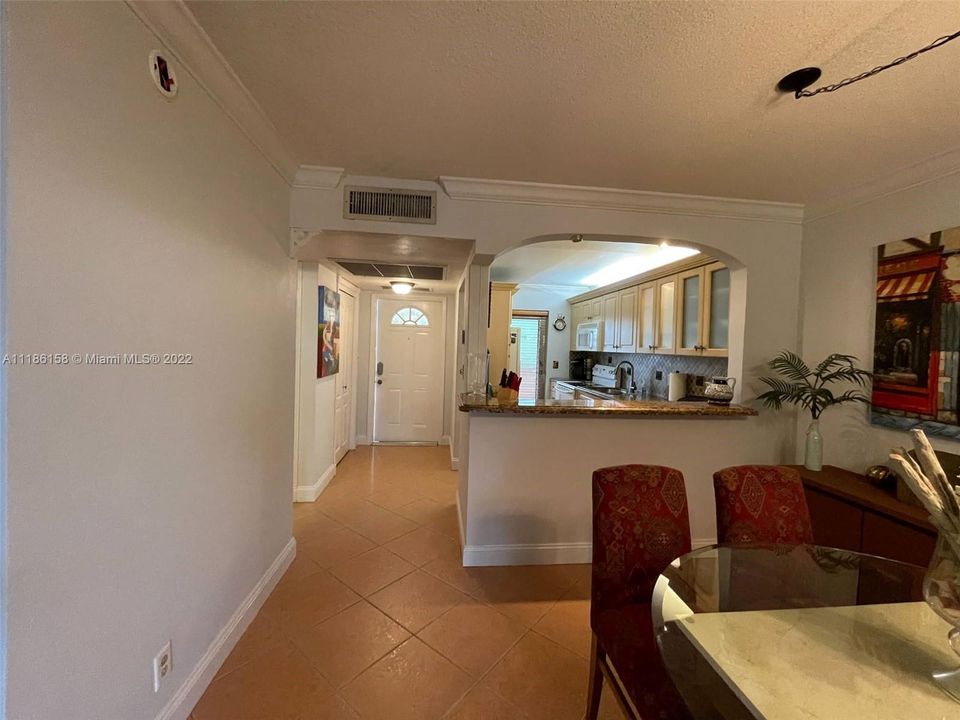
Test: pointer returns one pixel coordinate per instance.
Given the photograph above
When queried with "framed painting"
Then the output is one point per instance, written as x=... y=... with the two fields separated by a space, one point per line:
x=916 y=381
x=328 y=332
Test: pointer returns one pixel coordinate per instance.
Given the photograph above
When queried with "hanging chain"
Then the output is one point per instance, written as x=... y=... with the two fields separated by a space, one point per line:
x=869 y=73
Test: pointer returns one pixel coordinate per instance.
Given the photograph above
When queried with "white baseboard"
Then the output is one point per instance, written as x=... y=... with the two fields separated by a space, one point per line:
x=181 y=704
x=363 y=440
x=545 y=554
x=312 y=492
x=444 y=439
x=454 y=461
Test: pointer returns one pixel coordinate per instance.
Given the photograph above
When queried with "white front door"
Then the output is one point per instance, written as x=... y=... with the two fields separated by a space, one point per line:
x=343 y=404
x=408 y=374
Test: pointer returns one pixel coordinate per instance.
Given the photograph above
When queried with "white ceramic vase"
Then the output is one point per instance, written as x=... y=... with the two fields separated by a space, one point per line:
x=813 y=457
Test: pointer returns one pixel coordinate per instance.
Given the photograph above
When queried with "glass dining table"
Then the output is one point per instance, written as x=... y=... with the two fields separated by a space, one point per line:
x=801 y=632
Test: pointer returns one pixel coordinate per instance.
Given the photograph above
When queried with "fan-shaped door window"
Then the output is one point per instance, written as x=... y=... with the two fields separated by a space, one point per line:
x=410 y=316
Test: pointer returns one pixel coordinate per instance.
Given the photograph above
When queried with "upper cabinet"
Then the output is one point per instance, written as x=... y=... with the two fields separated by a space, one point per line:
x=620 y=321
x=690 y=312
x=585 y=311
x=687 y=313
x=703 y=311
x=665 y=335
x=716 y=310
x=646 y=317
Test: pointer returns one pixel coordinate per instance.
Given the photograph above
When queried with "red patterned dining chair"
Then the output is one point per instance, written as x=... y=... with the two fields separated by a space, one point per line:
x=640 y=525
x=761 y=504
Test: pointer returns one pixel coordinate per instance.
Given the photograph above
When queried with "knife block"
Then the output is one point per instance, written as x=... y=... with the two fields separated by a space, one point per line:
x=506 y=396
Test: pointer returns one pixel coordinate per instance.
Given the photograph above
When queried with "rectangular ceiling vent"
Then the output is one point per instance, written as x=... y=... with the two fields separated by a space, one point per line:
x=371 y=203
x=389 y=270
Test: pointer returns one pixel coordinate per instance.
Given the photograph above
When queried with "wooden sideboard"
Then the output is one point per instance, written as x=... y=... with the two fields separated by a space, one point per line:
x=848 y=512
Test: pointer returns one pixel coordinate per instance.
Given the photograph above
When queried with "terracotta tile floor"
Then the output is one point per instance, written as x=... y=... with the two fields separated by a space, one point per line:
x=376 y=619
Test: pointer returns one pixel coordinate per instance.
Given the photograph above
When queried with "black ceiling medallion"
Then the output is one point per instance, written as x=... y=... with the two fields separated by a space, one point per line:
x=798 y=81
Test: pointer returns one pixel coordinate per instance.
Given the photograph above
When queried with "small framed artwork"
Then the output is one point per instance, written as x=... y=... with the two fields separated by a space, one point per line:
x=328 y=332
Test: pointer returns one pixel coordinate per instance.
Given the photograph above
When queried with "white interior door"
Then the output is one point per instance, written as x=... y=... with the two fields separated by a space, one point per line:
x=408 y=374
x=343 y=404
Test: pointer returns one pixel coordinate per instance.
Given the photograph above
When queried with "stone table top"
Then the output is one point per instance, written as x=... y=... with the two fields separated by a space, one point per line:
x=867 y=661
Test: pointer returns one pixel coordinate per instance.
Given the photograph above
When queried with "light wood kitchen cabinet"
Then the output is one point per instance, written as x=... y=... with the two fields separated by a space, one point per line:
x=703 y=311
x=620 y=321
x=611 y=308
x=646 y=317
x=576 y=316
x=690 y=312
x=665 y=336
x=581 y=312
x=594 y=310
x=716 y=310
x=683 y=314
x=498 y=326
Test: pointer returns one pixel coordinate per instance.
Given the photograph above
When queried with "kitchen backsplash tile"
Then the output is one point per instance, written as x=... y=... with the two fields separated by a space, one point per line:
x=646 y=366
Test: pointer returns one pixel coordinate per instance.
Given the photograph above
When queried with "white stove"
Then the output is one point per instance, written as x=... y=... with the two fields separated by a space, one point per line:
x=604 y=376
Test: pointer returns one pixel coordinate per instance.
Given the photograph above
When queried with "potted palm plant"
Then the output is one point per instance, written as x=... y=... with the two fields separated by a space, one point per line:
x=797 y=384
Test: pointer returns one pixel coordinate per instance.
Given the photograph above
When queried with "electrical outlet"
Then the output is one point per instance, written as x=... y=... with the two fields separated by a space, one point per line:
x=659 y=375
x=162 y=665
x=699 y=380
x=556 y=364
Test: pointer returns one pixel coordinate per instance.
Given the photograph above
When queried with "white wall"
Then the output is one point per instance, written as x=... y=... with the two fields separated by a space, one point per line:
x=526 y=507
x=764 y=253
x=554 y=300
x=316 y=434
x=838 y=293
x=145 y=502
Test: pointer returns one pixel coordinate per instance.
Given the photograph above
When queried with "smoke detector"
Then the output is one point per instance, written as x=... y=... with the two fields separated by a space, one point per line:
x=163 y=74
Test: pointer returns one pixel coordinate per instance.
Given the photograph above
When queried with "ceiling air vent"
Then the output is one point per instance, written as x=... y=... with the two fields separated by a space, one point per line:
x=376 y=269
x=371 y=203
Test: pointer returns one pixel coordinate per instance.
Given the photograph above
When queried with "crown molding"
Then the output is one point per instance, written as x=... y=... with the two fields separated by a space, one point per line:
x=528 y=193
x=930 y=170
x=317 y=176
x=178 y=30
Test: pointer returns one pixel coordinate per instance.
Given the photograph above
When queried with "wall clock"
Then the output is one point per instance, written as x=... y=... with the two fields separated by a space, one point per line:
x=559 y=324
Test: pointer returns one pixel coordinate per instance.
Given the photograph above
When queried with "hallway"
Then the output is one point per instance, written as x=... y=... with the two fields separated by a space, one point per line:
x=376 y=619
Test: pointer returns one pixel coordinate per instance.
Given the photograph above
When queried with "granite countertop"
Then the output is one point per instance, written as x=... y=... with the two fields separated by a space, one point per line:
x=587 y=406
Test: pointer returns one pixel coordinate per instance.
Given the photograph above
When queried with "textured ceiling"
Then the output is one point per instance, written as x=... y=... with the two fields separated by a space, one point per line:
x=667 y=96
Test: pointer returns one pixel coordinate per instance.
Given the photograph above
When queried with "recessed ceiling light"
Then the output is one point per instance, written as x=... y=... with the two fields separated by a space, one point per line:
x=576 y=238
x=401 y=287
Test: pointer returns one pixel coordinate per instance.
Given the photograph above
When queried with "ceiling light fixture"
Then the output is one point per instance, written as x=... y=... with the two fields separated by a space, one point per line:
x=401 y=287
x=798 y=81
x=576 y=238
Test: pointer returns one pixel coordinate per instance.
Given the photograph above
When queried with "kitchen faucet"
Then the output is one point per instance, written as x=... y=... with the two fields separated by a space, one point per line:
x=632 y=386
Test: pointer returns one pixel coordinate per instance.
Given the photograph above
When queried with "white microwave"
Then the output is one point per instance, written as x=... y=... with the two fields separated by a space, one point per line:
x=588 y=336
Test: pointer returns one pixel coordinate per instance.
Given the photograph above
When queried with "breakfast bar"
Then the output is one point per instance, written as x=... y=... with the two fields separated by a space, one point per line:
x=525 y=468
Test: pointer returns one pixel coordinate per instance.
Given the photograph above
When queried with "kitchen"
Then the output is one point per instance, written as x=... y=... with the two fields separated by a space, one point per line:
x=646 y=376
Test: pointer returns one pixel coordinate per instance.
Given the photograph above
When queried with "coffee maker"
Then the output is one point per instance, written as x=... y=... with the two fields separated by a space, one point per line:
x=577 y=369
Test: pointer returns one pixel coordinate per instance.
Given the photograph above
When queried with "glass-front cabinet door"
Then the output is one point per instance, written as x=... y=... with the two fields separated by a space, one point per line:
x=647 y=318
x=666 y=336
x=690 y=312
x=716 y=310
